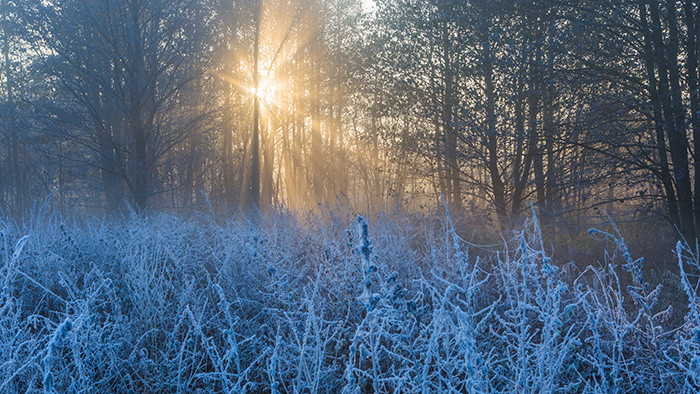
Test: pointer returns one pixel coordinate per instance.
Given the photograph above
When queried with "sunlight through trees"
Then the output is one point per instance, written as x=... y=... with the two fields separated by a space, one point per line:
x=151 y=105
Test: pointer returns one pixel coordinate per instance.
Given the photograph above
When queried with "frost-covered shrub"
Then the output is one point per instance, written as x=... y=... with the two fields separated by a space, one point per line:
x=328 y=304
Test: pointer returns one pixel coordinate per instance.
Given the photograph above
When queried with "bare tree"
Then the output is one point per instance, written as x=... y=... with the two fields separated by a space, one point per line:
x=131 y=66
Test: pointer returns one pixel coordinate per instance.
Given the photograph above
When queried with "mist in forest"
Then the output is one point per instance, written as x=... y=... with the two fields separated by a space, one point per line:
x=576 y=107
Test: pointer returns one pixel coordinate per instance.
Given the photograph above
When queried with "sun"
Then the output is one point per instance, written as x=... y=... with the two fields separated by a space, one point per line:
x=266 y=90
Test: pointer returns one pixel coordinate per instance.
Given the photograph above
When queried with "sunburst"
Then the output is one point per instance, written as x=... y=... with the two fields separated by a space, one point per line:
x=267 y=90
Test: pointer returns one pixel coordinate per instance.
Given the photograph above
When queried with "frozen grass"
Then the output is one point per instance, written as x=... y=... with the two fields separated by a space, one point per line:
x=168 y=304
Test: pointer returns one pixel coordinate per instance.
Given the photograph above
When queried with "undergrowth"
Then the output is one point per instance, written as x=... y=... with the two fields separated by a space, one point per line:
x=168 y=304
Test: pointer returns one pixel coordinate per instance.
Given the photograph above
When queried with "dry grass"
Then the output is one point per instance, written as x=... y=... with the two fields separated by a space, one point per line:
x=167 y=304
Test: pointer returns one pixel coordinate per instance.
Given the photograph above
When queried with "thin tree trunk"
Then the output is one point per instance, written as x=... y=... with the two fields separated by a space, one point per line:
x=498 y=189
x=255 y=145
x=448 y=107
x=691 y=24
x=549 y=131
x=532 y=140
x=669 y=92
x=664 y=171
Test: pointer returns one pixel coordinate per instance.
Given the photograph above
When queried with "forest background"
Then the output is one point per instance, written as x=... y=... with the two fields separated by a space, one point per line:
x=582 y=108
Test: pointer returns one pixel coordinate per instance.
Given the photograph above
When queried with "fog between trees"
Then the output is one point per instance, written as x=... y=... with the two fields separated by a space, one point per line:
x=108 y=105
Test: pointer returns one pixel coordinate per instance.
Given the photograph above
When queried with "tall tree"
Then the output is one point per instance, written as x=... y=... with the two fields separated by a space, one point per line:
x=129 y=65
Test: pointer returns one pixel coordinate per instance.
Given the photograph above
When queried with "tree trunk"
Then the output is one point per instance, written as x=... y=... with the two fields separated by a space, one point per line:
x=497 y=187
x=664 y=171
x=549 y=134
x=691 y=24
x=669 y=92
x=448 y=107
x=532 y=140
x=680 y=145
x=254 y=198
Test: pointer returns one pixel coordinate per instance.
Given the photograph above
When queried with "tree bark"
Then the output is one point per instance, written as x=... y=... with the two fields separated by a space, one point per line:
x=669 y=93
x=255 y=144
x=497 y=187
x=664 y=170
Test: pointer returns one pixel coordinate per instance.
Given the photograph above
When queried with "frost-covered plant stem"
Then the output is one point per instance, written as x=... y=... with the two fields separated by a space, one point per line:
x=52 y=349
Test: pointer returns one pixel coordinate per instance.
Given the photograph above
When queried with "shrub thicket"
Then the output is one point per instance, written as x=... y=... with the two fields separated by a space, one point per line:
x=167 y=304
